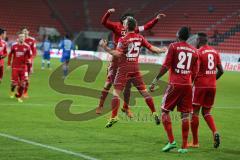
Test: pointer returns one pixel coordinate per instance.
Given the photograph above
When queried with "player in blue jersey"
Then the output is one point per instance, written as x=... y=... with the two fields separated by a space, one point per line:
x=46 y=48
x=66 y=45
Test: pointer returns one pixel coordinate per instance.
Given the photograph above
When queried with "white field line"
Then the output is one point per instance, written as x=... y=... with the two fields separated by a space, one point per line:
x=47 y=147
x=42 y=104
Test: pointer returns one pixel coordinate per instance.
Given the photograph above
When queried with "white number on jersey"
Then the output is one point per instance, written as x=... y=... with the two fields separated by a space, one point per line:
x=182 y=57
x=210 y=61
x=133 y=49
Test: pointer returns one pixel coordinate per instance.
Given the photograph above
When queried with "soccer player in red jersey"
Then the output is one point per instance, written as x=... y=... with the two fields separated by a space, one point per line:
x=119 y=31
x=3 y=51
x=181 y=61
x=204 y=90
x=18 y=59
x=127 y=51
x=32 y=43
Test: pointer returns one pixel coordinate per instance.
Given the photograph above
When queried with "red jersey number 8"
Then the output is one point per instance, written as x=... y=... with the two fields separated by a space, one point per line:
x=133 y=49
x=210 y=61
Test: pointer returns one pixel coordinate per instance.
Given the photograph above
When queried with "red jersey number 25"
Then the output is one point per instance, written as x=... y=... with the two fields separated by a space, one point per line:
x=133 y=50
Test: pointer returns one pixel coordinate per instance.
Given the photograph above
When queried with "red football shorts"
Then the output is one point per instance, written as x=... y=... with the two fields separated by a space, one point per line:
x=204 y=96
x=19 y=75
x=1 y=71
x=178 y=95
x=124 y=75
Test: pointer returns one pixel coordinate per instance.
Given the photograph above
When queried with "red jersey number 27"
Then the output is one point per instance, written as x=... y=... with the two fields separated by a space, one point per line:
x=133 y=49
x=183 y=57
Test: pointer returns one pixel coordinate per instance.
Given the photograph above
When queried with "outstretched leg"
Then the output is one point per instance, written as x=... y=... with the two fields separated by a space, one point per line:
x=103 y=97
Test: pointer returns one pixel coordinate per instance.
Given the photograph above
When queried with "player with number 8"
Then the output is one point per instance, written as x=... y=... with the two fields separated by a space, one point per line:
x=204 y=89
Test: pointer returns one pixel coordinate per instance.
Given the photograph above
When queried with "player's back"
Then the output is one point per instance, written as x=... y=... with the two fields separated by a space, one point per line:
x=209 y=58
x=182 y=62
x=130 y=46
x=66 y=45
x=46 y=46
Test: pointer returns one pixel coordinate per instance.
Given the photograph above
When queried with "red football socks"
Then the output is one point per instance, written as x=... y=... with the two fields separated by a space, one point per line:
x=103 y=97
x=26 y=87
x=125 y=106
x=166 y=120
x=150 y=104
x=185 y=131
x=209 y=119
x=115 y=106
x=20 y=92
x=194 y=128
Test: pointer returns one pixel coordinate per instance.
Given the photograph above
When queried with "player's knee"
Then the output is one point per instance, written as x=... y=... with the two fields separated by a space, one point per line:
x=185 y=115
x=164 y=112
x=206 y=112
x=196 y=109
x=13 y=84
x=145 y=94
x=22 y=83
x=107 y=86
x=116 y=93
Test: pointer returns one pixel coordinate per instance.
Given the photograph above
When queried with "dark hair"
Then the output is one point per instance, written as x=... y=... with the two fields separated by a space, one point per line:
x=2 y=31
x=24 y=27
x=202 y=37
x=67 y=36
x=183 y=33
x=19 y=32
x=125 y=15
x=131 y=24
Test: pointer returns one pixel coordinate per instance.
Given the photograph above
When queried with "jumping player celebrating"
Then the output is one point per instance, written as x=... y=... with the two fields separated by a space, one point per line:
x=204 y=89
x=119 y=30
x=127 y=50
x=3 y=52
x=18 y=59
x=181 y=60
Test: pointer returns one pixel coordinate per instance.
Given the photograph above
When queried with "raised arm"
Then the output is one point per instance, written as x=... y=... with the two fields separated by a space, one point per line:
x=150 y=24
x=106 y=22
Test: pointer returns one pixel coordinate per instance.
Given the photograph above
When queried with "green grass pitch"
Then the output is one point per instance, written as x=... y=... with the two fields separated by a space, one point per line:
x=35 y=120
